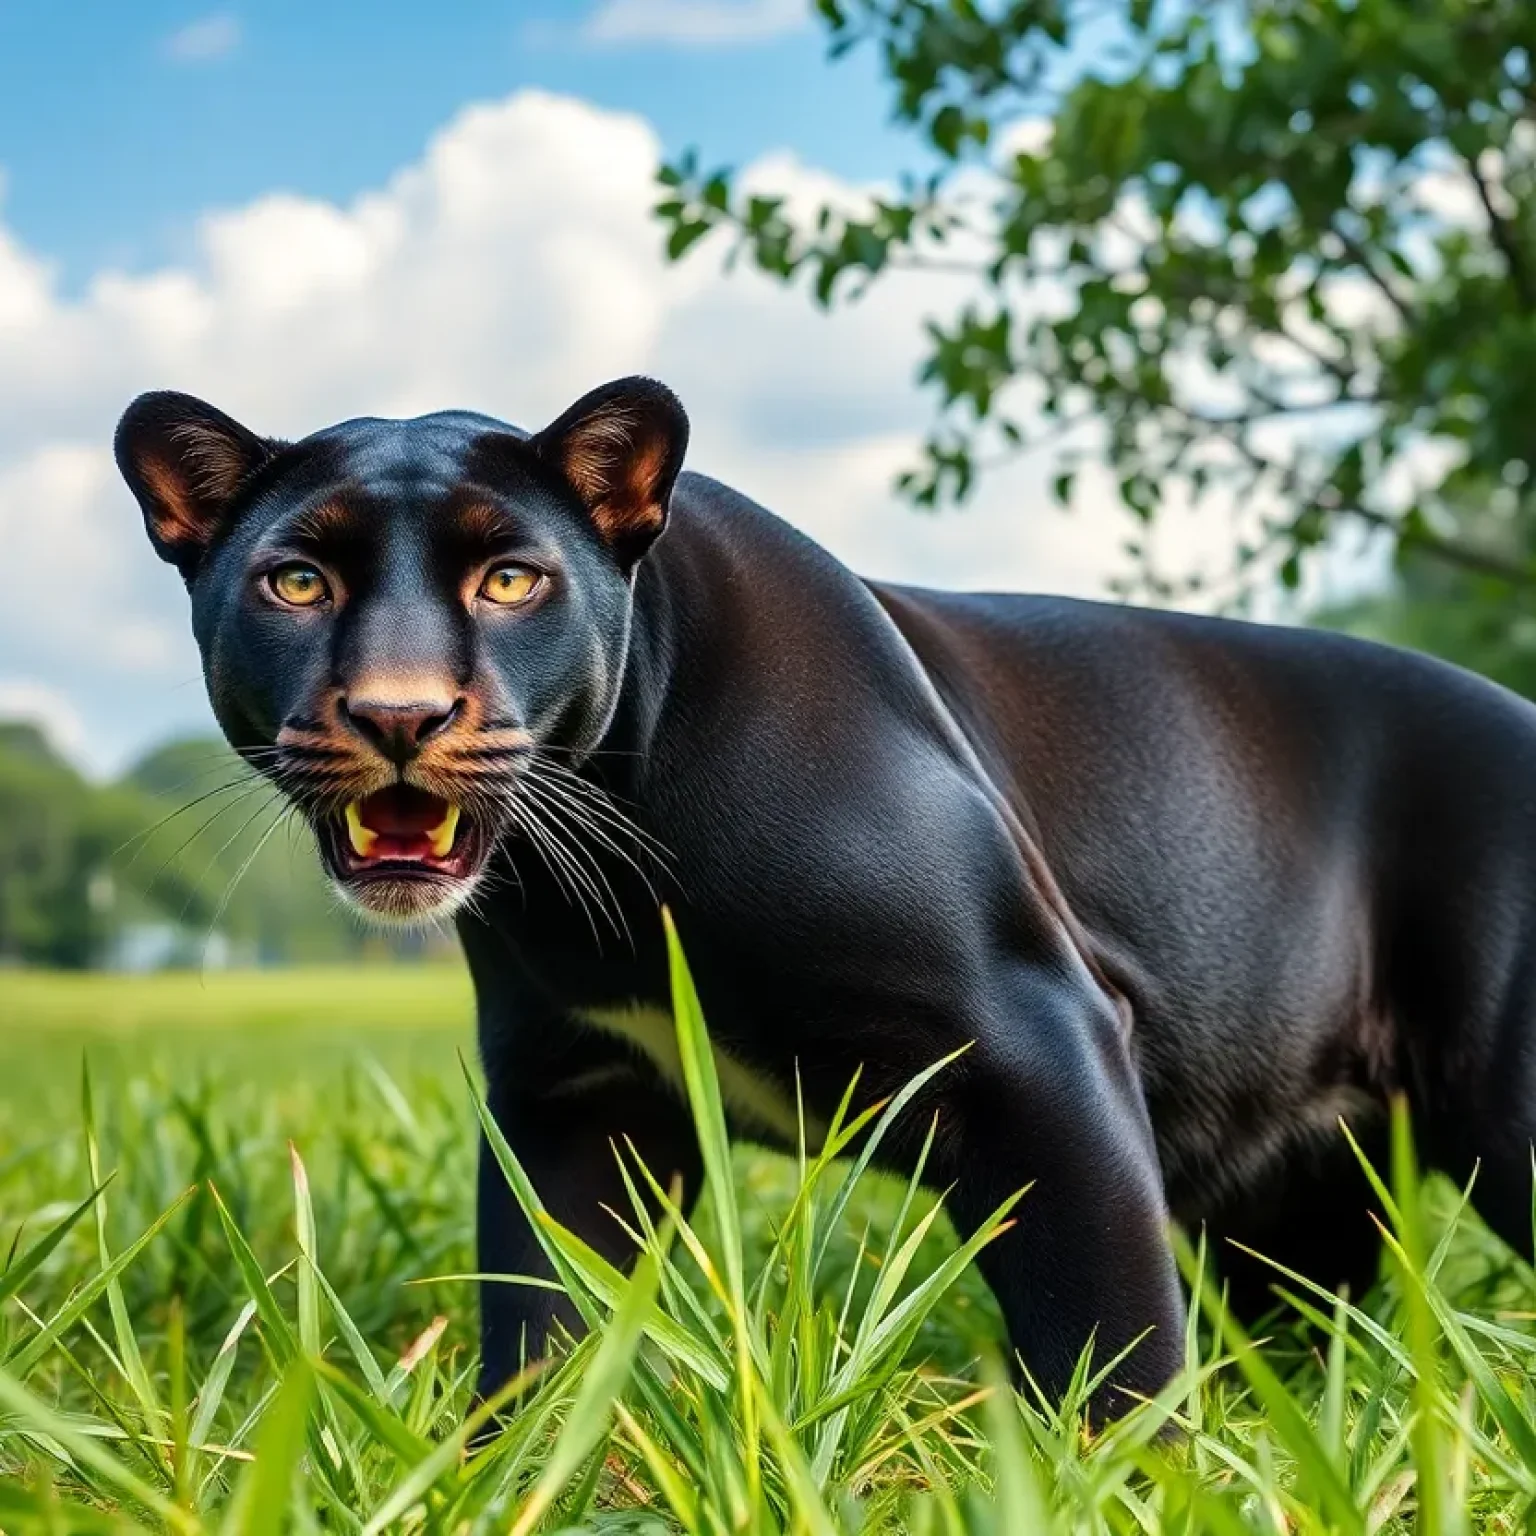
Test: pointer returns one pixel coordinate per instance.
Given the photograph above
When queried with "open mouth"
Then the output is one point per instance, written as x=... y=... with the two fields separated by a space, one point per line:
x=403 y=836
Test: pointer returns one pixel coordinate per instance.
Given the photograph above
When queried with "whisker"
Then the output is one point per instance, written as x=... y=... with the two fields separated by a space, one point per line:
x=317 y=751
x=170 y=816
x=211 y=766
x=582 y=782
x=580 y=882
x=230 y=841
x=283 y=813
x=603 y=805
x=555 y=859
x=573 y=752
x=492 y=754
x=580 y=852
x=579 y=814
x=197 y=832
x=536 y=838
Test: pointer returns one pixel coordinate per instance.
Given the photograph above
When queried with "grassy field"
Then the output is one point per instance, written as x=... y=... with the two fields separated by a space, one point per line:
x=254 y=1325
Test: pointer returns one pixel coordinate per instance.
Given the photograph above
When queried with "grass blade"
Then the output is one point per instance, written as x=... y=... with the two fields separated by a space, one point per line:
x=703 y=1085
x=279 y=1334
x=308 y=1289
x=528 y=1198
x=88 y=1452
x=20 y=1270
x=266 y=1490
x=211 y=1397
x=609 y=1285
x=26 y=1357
x=1321 y=1477
x=122 y=1327
x=604 y=1379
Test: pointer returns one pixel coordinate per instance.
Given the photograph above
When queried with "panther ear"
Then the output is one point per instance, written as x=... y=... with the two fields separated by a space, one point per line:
x=620 y=449
x=184 y=461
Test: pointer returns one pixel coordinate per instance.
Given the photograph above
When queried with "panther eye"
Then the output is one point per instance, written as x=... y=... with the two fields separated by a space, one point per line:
x=509 y=585
x=300 y=586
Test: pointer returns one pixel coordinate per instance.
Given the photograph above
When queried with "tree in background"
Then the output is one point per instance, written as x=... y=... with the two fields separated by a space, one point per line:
x=1273 y=258
x=179 y=844
x=44 y=911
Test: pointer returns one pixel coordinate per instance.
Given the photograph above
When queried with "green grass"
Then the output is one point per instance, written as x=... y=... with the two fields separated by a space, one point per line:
x=277 y=1042
x=423 y=998
x=242 y=1330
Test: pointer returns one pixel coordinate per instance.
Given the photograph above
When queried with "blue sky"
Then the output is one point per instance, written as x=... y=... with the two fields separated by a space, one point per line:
x=305 y=213
x=121 y=123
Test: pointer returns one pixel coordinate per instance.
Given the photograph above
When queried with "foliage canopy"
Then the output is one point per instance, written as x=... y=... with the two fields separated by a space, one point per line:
x=1271 y=257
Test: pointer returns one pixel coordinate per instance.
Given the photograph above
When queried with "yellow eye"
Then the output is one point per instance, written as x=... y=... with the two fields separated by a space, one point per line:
x=300 y=586
x=510 y=585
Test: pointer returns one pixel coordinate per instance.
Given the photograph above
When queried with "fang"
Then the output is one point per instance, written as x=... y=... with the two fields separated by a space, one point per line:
x=441 y=836
x=362 y=838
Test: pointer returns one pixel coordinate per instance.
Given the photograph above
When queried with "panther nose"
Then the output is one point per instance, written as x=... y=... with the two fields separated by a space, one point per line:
x=399 y=730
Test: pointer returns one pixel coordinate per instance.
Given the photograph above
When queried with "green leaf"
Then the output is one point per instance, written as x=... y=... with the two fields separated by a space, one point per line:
x=686 y=233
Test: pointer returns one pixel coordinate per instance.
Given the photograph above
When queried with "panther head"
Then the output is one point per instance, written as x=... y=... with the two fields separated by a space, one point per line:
x=397 y=619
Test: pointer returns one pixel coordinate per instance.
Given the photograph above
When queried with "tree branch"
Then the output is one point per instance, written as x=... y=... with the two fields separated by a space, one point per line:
x=1503 y=237
x=1321 y=499
x=1341 y=371
x=1362 y=259
x=1478 y=561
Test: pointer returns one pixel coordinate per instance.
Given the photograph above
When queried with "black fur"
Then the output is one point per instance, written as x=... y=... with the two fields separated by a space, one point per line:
x=1190 y=889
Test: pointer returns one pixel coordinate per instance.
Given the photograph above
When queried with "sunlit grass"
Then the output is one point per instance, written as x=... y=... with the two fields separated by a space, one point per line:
x=422 y=997
x=239 y=1333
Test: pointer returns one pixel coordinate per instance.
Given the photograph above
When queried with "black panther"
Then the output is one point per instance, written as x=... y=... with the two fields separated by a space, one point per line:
x=1190 y=889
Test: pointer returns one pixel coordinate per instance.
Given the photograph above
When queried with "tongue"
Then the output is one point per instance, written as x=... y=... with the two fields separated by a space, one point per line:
x=402 y=823
x=402 y=813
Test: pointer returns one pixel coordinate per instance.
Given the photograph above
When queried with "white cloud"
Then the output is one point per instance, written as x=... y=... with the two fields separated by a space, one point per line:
x=203 y=40
x=510 y=268
x=694 y=23
x=50 y=710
